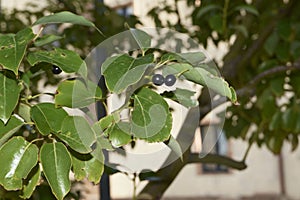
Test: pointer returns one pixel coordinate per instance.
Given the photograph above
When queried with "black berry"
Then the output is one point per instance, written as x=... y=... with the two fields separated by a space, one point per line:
x=170 y=80
x=56 y=69
x=158 y=79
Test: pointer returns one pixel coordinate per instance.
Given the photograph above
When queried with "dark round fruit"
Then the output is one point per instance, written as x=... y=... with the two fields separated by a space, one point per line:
x=170 y=80
x=158 y=79
x=56 y=69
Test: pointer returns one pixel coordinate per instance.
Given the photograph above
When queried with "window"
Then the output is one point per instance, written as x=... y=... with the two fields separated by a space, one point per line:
x=213 y=141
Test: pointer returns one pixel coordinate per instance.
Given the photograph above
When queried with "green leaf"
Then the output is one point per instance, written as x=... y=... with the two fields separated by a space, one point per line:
x=203 y=77
x=7 y=130
x=20 y=157
x=77 y=94
x=276 y=121
x=284 y=29
x=13 y=48
x=104 y=143
x=78 y=134
x=9 y=95
x=65 y=17
x=271 y=43
x=283 y=52
x=216 y=23
x=31 y=183
x=47 y=39
x=151 y=118
x=48 y=119
x=24 y=112
x=276 y=85
x=248 y=8
x=148 y=175
x=68 y=61
x=289 y=119
x=119 y=134
x=142 y=39
x=175 y=147
x=242 y=29
x=56 y=165
x=182 y=96
x=123 y=71
x=89 y=166
x=206 y=9
x=193 y=58
x=106 y=121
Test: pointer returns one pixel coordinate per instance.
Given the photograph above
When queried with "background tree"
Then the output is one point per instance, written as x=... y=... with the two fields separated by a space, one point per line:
x=263 y=38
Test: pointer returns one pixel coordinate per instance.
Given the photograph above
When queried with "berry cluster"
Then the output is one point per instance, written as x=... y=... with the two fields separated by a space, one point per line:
x=158 y=79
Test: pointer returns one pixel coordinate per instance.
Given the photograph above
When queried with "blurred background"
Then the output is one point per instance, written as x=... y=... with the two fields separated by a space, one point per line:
x=256 y=46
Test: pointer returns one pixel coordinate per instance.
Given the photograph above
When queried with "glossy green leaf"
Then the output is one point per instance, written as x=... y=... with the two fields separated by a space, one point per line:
x=89 y=166
x=47 y=39
x=123 y=71
x=78 y=134
x=68 y=61
x=119 y=134
x=13 y=48
x=56 y=163
x=142 y=39
x=182 y=96
x=276 y=121
x=9 y=95
x=289 y=119
x=19 y=158
x=206 y=9
x=248 y=8
x=151 y=118
x=77 y=94
x=203 y=77
x=7 y=130
x=65 y=17
x=31 y=183
x=106 y=121
x=48 y=119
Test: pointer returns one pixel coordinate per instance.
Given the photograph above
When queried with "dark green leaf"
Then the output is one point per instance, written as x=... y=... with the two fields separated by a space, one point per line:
x=24 y=111
x=77 y=94
x=148 y=175
x=13 y=47
x=248 y=8
x=271 y=43
x=151 y=118
x=106 y=121
x=206 y=9
x=56 y=163
x=123 y=71
x=182 y=96
x=9 y=95
x=7 y=130
x=19 y=158
x=48 y=119
x=216 y=23
x=68 y=61
x=284 y=29
x=78 y=134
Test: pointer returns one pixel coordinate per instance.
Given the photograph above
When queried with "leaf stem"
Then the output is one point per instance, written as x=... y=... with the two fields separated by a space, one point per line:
x=224 y=23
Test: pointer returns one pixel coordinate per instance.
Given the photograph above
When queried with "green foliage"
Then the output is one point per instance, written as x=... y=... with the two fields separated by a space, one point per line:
x=35 y=133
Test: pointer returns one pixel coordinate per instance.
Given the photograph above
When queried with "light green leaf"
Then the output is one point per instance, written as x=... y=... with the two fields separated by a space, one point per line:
x=78 y=134
x=207 y=9
x=248 y=8
x=193 y=58
x=203 y=77
x=48 y=119
x=104 y=143
x=9 y=95
x=89 y=166
x=77 y=94
x=182 y=96
x=7 y=130
x=142 y=39
x=68 y=61
x=19 y=158
x=106 y=121
x=56 y=163
x=46 y=39
x=65 y=17
x=124 y=71
x=119 y=134
x=13 y=48
x=24 y=112
x=175 y=147
x=151 y=118
x=32 y=182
